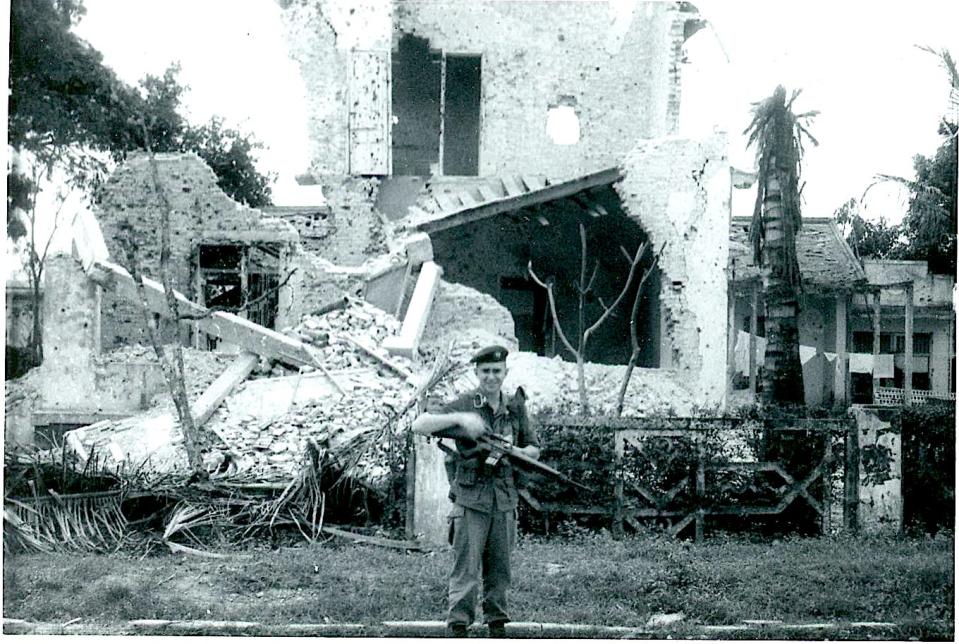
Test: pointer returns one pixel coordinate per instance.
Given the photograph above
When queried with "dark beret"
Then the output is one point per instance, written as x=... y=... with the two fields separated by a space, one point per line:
x=494 y=353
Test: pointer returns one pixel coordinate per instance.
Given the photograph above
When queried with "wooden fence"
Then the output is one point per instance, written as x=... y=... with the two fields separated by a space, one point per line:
x=682 y=471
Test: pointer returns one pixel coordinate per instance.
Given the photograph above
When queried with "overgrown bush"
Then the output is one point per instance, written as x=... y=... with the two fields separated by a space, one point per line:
x=928 y=466
x=662 y=471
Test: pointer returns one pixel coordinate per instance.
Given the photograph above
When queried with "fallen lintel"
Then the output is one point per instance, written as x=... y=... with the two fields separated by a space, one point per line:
x=226 y=326
x=417 y=313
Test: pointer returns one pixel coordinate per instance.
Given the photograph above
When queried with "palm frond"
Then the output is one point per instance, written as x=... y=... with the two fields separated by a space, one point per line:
x=778 y=135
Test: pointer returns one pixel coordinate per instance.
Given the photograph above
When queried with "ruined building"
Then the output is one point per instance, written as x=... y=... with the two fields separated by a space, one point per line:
x=497 y=128
x=457 y=144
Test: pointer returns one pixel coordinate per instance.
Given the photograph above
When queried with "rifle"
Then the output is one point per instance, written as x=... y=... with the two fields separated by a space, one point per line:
x=499 y=447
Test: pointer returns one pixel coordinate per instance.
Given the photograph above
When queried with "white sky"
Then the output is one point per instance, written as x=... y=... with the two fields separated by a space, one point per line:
x=880 y=98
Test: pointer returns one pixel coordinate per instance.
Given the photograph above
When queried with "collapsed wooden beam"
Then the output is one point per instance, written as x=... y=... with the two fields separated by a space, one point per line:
x=238 y=371
x=229 y=327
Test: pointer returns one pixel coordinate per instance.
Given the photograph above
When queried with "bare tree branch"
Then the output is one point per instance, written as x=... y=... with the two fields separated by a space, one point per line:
x=552 y=308
x=629 y=280
x=633 y=333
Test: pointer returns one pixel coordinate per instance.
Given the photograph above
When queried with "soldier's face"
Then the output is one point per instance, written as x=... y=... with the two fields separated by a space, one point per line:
x=491 y=376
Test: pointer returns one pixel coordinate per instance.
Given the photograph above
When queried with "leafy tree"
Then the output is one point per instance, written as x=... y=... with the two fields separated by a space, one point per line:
x=778 y=136
x=230 y=154
x=879 y=240
x=64 y=101
x=68 y=111
x=61 y=94
x=930 y=223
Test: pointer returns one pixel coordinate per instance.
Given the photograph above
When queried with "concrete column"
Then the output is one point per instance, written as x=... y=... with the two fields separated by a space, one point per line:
x=730 y=342
x=431 y=504
x=840 y=394
x=753 y=323
x=71 y=335
x=909 y=313
x=876 y=312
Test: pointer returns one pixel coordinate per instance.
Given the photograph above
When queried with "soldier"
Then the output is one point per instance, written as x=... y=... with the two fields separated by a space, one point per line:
x=483 y=520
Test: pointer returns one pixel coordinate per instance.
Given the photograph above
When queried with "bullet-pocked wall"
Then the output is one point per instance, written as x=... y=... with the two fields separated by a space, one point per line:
x=202 y=215
x=678 y=191
x=492 y=256
x=618 y=72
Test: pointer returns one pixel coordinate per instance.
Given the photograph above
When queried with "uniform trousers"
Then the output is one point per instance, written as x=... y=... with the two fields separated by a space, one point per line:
x=482 y=543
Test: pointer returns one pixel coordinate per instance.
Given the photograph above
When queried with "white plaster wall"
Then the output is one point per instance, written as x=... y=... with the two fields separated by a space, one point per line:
x=880 y=506
x=431 y=505
x=678 y=190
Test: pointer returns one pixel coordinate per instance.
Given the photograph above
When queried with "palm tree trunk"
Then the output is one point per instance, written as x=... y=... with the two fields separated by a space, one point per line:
x=782 y=372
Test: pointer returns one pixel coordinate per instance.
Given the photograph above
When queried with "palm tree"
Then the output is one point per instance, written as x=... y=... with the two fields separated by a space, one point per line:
x=777 y=133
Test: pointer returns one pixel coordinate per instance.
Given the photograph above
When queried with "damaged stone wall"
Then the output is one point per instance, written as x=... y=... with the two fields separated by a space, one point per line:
x=535 y=54
x=321 y=35
x=202 y=213
x=358 y=232
x=618 y=71
x=678 y=190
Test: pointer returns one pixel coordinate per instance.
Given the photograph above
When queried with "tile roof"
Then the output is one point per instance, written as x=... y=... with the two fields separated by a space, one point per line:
x=825 y=260
x=441 y=210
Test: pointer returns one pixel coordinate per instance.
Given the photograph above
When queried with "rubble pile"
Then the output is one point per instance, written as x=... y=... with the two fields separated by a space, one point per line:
x=354 y=426
x=336 y=334
x=261 y=432
x=272 y=449
x=550 y=386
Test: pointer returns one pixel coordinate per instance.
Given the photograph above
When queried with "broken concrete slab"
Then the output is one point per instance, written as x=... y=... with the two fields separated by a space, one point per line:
x=406 y=343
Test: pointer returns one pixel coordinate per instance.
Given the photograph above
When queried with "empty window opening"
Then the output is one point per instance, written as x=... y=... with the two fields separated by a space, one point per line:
x=461 y=116
x=416 y=106
x=528 y=304
x=435 y=110
x=562 y=122
x=240 y=279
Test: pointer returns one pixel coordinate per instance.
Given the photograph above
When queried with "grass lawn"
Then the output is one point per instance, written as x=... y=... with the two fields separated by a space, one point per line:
x=587 y=579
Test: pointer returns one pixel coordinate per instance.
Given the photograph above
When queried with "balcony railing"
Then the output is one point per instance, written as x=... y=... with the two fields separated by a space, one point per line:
x=894 y=396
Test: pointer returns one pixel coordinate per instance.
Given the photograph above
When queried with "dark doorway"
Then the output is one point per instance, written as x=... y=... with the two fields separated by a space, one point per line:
x=416 y=106
x=461 y=118
x=528 y=305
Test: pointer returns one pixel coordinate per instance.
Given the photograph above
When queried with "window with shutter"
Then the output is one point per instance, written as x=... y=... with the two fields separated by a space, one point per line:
x=369 y=100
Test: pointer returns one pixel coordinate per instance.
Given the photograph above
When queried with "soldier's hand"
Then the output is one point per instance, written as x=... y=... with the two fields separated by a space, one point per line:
x=530 y=451
x=472 y=424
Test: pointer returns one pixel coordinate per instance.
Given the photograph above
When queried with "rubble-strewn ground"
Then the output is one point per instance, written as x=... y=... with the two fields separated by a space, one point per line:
x=881 y=579
x=267 y=441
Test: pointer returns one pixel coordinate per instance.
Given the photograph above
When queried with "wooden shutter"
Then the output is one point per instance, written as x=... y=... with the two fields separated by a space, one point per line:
x=369 y=113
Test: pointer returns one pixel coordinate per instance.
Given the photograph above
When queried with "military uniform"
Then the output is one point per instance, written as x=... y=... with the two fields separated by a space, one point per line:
x=483 y=520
